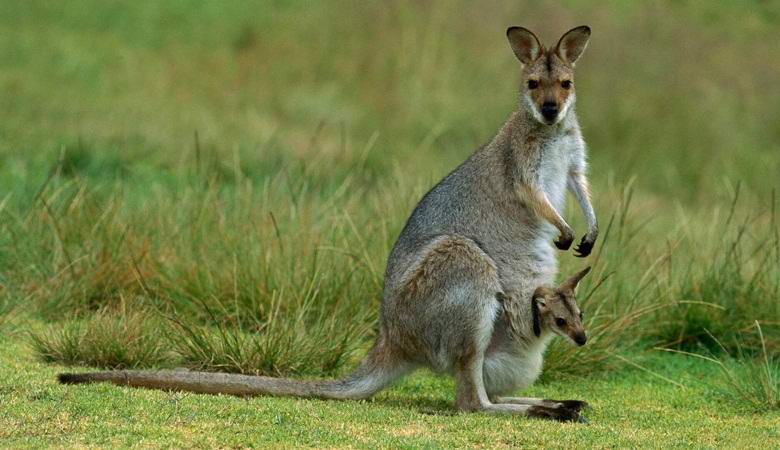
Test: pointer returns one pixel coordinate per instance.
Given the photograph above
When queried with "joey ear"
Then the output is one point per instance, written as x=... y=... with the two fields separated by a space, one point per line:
x=575 y=279
x=535 y=316
x=524 y=43
x=573 y=43
x=538 y=300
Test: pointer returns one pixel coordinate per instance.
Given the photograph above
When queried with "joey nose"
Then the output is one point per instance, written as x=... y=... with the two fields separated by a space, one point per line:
x=549 y=110
x=580 y=339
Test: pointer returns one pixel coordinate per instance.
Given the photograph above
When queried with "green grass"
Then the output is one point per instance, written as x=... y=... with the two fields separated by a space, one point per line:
x=218 y=185
x=751 y=379
x=100 y=340
x=632 y=409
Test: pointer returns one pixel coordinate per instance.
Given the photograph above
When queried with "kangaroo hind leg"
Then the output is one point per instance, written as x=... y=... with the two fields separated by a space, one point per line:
x=443 y=312
x=471 y=396
x=446 y=310
x=576 y=405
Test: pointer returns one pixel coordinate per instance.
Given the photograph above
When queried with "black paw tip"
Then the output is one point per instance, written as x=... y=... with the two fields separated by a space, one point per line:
x=563 y=244
x=576 y=405
x=559 y=414
x=583 y=249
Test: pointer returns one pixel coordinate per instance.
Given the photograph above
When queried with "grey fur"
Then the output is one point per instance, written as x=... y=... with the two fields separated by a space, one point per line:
x=460 y=282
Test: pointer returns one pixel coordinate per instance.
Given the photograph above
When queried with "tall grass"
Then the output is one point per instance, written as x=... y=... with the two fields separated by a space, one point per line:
x=253 y=279
x=728 y=286
x=703 y=289
x=276 y=282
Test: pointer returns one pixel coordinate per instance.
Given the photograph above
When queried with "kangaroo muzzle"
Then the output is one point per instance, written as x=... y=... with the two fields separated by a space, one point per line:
x=549 y=111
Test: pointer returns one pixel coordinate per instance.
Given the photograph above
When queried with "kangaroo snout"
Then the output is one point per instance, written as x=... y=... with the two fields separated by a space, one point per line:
x=580 y=339
x=549 y=110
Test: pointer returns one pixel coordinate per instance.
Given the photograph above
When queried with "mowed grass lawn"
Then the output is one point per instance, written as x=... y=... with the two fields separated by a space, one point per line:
x=630 y=408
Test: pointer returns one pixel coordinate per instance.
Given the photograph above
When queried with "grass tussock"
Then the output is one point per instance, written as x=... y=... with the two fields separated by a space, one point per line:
x=248 y=289
x=678 y=298
x=747 y=378
x=310 y=339
x=752 y=382
x=729 y=285
x=109 y=340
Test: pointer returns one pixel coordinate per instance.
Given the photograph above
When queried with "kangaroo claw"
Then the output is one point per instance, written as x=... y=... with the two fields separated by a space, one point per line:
x=584 y=248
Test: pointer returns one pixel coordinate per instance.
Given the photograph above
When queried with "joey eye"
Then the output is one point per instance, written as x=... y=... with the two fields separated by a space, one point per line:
x=560 y=322
x=533 y=84
x=580 y=315
x=566 y=84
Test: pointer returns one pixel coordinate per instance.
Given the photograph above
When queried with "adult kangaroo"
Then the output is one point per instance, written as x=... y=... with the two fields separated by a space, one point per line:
x=469 y=283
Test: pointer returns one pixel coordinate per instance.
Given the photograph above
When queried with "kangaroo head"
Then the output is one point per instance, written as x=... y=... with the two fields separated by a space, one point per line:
x=556 y=309
x=547 y=90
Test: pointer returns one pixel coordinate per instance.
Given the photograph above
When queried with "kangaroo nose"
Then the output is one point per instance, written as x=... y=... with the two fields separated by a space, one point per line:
x=549 y=110
x=580 y=339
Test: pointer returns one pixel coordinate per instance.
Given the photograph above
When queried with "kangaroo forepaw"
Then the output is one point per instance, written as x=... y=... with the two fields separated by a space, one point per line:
x=584 y=248
x=564 y=242
x=561 y=414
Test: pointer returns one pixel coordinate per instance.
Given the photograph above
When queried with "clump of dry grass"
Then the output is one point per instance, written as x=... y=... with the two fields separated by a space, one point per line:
x=111 y=340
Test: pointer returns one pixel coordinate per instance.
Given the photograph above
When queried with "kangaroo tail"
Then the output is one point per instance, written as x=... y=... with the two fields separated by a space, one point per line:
x=376 y=371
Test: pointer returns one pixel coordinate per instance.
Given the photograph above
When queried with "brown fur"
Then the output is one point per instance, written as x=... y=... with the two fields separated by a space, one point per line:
x=452 y=251
x=548 y=74
x=550 y=71
x=552 y=303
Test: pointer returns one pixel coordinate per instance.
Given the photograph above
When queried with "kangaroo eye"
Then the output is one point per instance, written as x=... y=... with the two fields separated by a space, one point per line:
x=560 y=322
x=533 y=84
x=566 y=84
x=580 y=315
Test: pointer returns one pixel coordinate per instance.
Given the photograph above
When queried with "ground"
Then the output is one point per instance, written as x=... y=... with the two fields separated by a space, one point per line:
x=630 y=408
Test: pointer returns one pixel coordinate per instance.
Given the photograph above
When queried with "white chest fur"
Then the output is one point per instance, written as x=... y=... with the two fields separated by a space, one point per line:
x=554 y=168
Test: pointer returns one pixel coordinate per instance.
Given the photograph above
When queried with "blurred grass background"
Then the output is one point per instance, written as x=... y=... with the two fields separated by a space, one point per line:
x=218 y=184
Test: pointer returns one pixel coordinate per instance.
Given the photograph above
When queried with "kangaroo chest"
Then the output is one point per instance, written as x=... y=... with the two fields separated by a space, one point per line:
x=524 y=253
x=553 y=168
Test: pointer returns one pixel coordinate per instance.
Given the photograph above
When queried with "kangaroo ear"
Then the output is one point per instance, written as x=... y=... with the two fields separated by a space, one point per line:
x=524 y=43
x=573 y=43
x=575 y=279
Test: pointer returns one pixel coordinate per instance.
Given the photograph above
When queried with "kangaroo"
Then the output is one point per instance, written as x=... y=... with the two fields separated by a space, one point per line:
x=467 y=285
x=512 y=360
